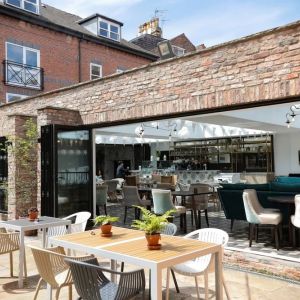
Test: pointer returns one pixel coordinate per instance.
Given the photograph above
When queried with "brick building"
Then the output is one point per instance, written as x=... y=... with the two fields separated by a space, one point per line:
x=43 y=48
x=252 y=82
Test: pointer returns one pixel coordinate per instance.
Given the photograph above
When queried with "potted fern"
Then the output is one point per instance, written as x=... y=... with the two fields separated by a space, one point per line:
x=152 y=224
x=105 y=222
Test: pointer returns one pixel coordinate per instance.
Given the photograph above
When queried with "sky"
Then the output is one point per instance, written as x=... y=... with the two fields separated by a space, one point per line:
x=203 y=21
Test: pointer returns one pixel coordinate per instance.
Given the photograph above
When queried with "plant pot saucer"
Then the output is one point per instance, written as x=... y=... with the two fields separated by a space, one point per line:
x=154 y=247
x=106 y=234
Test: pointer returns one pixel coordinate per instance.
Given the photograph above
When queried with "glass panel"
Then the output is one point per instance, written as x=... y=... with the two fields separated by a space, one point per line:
x=30 y=7
x=15 y=74
x=32 y=77
x=103 y=25
x=103 y=32
x=11 y=98
x=96 y=70
x=114 y=29
x=73 y=167
x=31 y=58
x=114 y=36
x=32 y=1
x=15 y=53
x=14 y=2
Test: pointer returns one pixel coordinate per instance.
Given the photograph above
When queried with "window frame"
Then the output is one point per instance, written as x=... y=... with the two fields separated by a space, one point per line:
x=95 y=65
x=22 y=6
x=178 y=48
x=24 y=54
x=109 y=23
x=14 y=94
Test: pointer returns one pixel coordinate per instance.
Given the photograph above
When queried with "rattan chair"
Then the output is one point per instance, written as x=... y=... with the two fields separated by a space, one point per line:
x=92 y=284
x=10 y=242
x=53 y=269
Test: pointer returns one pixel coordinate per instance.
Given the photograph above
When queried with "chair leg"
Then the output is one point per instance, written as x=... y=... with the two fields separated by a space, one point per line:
x=184 y=223
x=37 y=288
x=70 y=292
x=294 y=236
x=251 y=227
x=231 y=224
x=206 y=217
x=225 y=287
x=57 y=294
x=276 y=237
x=175 y=281
x=256 y=233
x=199 y=219
x=97 y=210
x=105 y=211
x=192 y=218
x=11 y=264
x=125 y=214
x=122 y=266
x=206 y=284
x=195 y=218
x=197 y=287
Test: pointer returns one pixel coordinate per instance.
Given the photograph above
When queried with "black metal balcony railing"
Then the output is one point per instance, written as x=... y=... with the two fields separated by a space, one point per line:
x=23 y=75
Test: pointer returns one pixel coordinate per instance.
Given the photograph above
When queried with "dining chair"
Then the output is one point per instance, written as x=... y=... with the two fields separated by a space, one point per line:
x=257 y=215
x=162 y=202
x=53 y=269
x=112 y=189
x=295 y=219
x=203 y=264
x=200 y=203
x=92 y=284
x=10 y=242
x=79 y=225
x=101 y=198
x=131 y=198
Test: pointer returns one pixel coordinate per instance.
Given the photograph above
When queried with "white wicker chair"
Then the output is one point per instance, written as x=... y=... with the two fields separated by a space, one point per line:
x=203 y=264
x=10 y=242
x=295 y=219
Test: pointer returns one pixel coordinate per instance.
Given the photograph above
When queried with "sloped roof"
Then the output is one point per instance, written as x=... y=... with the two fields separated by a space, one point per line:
x=147 y=41
x=50 y=15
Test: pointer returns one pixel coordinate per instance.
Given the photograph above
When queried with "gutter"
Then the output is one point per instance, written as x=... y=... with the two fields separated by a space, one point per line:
x=33 y=19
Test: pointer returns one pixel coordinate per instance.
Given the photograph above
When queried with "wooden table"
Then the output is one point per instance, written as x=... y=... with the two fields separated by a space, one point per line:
x=130 y=246
x=23 y=225
x=288 y=200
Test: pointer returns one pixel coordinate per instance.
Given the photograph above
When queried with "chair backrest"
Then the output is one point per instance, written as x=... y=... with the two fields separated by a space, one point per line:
x=131 y=195
x=162 y=201
x=49 y=263
x=166 y=179
x=169 y=229
x=156 y=178
x=101 y=194
x=120 y=182
x=252 y=208
x=210 y=235
x=296 y=220
x=112 y=185
x=201 y=201
x=183 y=186
x=131 y=180
x=81 y=219
x=164 y=186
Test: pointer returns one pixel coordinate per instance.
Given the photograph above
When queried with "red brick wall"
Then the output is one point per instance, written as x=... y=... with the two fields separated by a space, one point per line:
x=59 y=55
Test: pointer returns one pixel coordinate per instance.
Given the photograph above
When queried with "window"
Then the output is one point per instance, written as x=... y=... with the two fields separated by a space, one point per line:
x=14 y=97
x=95 y=71
x=28 y=5
x=23 y=66
x=109 y=30
x=178 y=51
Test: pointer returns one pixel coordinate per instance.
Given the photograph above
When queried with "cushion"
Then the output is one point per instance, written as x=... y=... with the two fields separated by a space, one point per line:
x=270 y=218
x=243 y=186
x=284 y=187
x=286 y=179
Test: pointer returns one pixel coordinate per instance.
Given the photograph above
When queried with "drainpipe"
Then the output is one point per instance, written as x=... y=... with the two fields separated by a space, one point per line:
x=79 y=60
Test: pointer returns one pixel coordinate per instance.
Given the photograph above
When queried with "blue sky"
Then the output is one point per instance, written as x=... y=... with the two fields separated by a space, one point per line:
x=210 y=22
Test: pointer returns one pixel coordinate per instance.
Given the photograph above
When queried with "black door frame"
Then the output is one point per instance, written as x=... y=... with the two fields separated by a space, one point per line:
x=49 y=167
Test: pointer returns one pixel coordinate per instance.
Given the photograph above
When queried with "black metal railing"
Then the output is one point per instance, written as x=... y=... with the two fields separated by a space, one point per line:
x=23 y=75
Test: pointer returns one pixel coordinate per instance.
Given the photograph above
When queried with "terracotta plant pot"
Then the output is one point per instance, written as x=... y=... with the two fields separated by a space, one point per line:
x=106 y=229
x=33 y=215
x=153 y=239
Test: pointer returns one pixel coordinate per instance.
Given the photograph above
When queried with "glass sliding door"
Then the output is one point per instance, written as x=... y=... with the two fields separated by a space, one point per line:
x=71 y=169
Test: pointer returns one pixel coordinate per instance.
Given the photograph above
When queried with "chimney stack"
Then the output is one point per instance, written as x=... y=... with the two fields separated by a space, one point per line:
x=151 y=27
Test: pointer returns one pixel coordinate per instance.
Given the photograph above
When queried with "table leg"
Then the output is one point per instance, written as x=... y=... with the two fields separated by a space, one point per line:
x=218 y=275
x=21 y=258
x=156 y=283
x=113 y=266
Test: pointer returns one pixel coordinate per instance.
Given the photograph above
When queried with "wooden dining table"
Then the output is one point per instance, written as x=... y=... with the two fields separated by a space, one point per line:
x=130 y=246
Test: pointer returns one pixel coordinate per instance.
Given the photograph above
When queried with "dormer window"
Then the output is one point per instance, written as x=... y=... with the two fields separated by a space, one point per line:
x=109 y=30
x=103 y=27
x=28 y=5
x=178 y=51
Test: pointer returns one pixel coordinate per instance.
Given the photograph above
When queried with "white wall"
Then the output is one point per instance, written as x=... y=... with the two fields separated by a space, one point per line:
x=286 y=147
